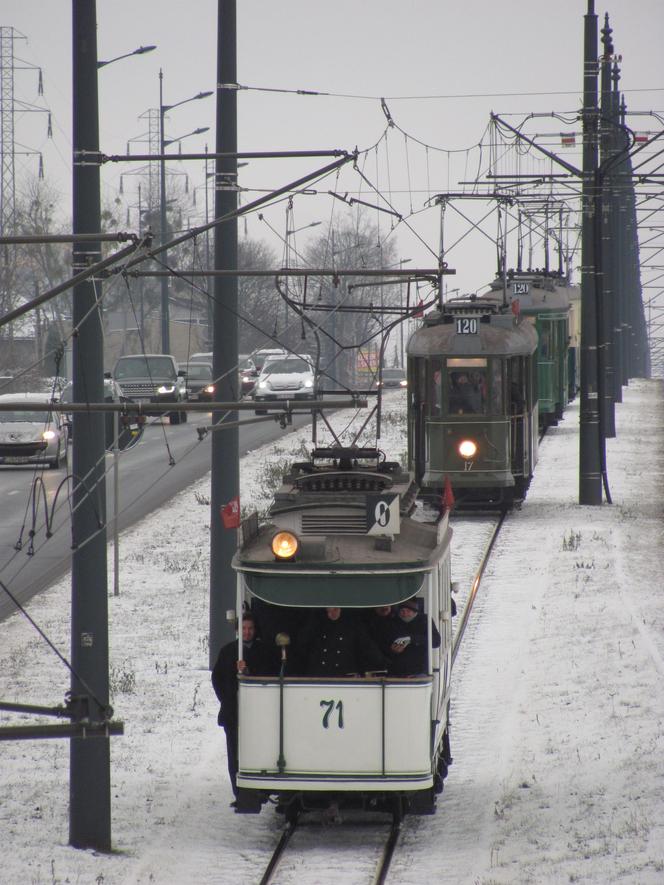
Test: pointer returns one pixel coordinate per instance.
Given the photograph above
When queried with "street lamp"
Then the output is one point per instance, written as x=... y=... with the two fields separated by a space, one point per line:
x=163 y=108
x=140 y=51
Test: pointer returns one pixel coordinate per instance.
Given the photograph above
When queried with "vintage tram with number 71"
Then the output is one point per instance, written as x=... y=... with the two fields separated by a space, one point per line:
x=342 y=533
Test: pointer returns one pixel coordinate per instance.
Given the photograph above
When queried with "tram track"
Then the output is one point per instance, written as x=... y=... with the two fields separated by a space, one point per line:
x=382 y=867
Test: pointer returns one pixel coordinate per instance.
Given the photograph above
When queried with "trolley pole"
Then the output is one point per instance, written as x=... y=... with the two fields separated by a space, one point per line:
x=590 y=479
x=90 y=787
x=225 y=446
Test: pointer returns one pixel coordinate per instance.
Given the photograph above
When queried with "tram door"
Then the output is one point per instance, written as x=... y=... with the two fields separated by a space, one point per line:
x=417 y=418
x=516 y=385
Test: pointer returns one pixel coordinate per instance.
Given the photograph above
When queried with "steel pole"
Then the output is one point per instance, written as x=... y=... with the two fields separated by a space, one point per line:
x=163 y=238
x=590 y=478
x=90 y=787
x=225 y=446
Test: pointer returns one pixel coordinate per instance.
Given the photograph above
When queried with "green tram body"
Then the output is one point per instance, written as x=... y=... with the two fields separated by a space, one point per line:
x=495 y=349
x=546 y=300
x=369 y=740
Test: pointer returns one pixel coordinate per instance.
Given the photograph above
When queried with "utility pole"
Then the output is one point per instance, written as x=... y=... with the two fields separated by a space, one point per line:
x=590 y=478
x=606 y=247
x=225 y=478
x=90 y=787
x=163 y=235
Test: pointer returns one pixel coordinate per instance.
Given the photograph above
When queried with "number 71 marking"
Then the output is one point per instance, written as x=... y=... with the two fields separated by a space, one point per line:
x=331 y=705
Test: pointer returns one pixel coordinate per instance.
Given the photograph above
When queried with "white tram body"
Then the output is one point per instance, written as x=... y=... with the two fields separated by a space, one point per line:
x=379 y=737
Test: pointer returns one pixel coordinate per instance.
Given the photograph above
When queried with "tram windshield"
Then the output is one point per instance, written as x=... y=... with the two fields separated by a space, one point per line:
x=467 y=389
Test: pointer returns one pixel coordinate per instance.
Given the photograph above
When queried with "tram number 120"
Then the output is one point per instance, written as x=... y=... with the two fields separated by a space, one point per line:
x=466 y=326
x=330 y=706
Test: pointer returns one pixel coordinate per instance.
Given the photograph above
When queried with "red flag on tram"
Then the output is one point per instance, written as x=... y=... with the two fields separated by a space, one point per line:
x=420 y=310
x=448 y=495
x=230 y=514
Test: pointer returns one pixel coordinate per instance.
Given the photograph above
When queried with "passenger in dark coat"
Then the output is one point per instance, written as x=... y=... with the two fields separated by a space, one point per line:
x=258 y=660
x=379 y=622
x=336 y=644
x=408 y=641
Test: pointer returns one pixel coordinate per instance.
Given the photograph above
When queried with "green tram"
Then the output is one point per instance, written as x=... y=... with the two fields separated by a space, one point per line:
x=545 y=299
x=341 y=534
x=473 y=404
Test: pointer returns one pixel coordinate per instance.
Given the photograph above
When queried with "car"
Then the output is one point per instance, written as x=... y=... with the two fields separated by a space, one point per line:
x=260 y=356
x=247 y=374
x=152 y=378
x=32 y=437
x=199 y=381
x=393 y=378
x=291 y=377
x=129 y=425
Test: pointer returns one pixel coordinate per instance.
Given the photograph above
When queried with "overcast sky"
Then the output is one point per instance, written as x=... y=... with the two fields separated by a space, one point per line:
x=454 y=62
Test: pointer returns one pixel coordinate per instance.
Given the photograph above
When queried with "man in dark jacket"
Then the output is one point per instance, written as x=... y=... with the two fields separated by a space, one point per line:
x=257 y=660
x=336 y=644
x=408 y=640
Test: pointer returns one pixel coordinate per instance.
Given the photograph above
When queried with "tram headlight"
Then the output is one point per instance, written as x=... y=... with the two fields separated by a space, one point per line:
x=467 y=449
x=285 y=545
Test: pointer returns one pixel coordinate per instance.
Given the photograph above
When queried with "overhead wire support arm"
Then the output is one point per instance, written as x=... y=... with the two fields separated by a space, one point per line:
x=48 y=239
x=247 y=208
x=573 y=170
x=91 y=271
x=97 y=158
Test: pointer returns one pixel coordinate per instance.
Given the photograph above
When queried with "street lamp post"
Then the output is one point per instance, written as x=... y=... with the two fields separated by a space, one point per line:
x=163 y=108
x=140 y=51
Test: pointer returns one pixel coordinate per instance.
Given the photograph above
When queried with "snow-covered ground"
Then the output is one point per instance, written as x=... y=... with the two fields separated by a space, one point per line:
x=558 y=710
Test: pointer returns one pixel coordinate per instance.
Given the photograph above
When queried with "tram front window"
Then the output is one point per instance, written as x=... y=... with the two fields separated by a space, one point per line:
x=466 y=393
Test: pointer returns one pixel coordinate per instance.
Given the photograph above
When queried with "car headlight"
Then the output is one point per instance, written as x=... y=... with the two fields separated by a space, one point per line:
x=403 y=383
x=467 y=449
x=285 y=545
x=209 y=388
x=308 y=383
x=263 y=385
x=48 y=435
x=166 y=388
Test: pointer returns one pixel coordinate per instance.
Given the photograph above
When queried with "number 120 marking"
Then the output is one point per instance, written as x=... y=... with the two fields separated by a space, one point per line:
x=332 y=705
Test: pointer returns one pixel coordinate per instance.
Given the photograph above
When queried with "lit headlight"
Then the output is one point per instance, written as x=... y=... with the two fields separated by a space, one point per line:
x=263 y=385
x=209 y=388
x=467 y=449
x=49 y=435
x=166 y=388
x=285 y=545
x=403 y=383
x=308 y=383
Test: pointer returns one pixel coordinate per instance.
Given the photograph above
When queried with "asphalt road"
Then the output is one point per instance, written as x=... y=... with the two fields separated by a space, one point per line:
x=146 y=481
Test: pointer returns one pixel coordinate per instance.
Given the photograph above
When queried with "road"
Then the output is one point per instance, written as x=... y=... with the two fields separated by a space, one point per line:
x=146 y=481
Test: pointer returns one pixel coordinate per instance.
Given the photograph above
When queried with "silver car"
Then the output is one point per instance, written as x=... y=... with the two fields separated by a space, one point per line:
x=289 y=378
x=31 y=437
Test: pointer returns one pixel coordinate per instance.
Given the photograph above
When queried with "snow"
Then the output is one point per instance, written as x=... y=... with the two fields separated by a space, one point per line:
x=557 y=717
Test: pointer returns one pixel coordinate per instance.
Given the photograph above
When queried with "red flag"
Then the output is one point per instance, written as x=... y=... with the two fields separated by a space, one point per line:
x=641 y=137
x=230 y=514
x=419 y=312
x=568 y=140
x=448 y=495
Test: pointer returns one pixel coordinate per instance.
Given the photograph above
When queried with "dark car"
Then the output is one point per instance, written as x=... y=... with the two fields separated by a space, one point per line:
x=199 y=381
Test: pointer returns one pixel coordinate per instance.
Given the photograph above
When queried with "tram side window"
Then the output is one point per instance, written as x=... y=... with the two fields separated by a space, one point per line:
x=466 y=391
x=435 y=387
x=496 y=386
x=545 y=341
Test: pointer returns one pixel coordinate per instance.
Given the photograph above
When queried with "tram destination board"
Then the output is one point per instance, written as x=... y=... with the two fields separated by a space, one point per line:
x=467 y=325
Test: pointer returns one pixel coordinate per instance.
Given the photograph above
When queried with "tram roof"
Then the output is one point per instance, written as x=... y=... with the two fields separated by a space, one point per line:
x=499 y=334
x=546 y=291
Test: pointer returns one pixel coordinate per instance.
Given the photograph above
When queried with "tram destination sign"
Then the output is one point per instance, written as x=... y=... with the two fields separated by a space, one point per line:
x=383 y=516
x=467 y=325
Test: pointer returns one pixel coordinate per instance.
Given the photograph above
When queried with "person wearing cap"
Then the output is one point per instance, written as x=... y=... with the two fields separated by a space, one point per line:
x=408 y=640
x=257 y=660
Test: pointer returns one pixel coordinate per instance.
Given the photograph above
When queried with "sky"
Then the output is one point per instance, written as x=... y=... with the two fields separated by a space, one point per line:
x=557 y=709
x=442 y=68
